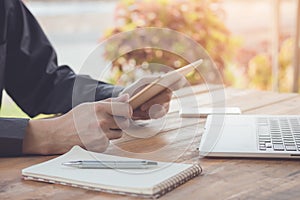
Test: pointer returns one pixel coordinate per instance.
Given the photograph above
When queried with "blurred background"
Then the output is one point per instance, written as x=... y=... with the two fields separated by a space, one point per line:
x=251 y=42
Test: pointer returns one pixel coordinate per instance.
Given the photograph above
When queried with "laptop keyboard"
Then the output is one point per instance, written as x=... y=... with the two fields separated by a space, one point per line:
x=278 y=134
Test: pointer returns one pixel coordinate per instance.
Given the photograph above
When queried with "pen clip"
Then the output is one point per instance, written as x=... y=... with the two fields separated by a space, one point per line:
x=72 y=162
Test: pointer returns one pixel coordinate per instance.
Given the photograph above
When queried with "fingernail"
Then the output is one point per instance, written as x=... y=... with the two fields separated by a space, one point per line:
x=123 y=97
x=144 y=107
x=130 y=111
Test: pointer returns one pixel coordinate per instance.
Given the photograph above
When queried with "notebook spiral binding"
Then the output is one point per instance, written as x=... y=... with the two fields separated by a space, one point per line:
x=158 y=190
x=176 y=180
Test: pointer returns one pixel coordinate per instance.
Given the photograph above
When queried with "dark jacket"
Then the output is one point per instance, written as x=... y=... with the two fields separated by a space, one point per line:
x=30 y=75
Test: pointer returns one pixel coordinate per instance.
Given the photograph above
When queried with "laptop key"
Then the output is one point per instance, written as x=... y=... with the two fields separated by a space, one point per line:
x=278 y=147
x=264 y=138
x=263 y=148
x=289 y=143
x=269 y=145
x=291 y=148
x=263 y=130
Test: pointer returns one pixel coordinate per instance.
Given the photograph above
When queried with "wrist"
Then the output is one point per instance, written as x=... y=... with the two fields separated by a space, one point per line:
x=37 y=138
x=50 y=136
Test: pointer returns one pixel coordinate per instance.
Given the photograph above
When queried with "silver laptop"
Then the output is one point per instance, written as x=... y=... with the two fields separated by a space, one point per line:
x=268 y=136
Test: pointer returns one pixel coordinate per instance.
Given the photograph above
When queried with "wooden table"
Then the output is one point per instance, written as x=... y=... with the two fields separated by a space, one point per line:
x=221 y=179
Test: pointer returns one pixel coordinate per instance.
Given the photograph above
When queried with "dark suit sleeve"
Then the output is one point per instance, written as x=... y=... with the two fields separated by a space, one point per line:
x=12 y=132
x=33 y=78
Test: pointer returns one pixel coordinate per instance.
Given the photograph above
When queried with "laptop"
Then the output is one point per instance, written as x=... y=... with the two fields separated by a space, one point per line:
x=266 y=136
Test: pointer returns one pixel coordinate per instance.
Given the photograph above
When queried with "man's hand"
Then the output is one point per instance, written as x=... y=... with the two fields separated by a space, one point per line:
x=90 y=125
x=157 y=106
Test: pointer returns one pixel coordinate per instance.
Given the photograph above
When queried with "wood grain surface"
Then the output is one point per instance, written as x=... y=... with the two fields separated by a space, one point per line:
x=177 y=141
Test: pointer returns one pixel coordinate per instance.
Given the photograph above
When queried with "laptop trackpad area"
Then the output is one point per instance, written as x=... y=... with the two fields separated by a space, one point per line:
x=234 y=138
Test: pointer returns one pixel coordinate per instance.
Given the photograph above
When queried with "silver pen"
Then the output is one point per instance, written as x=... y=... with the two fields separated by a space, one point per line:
x=94 y=164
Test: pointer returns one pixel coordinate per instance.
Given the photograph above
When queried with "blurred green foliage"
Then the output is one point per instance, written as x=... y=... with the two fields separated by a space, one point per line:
x=201 y=20
x=259 y=71
x=11 y=110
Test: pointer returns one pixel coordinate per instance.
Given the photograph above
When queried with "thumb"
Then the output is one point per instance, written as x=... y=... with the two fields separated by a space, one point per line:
x=122 y=98
x=118 y=106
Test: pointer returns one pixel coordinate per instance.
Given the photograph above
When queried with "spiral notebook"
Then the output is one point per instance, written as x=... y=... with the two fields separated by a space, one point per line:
x=149 y=183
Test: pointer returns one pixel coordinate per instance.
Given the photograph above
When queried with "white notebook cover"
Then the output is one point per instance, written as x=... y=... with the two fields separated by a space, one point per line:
x=152 y=182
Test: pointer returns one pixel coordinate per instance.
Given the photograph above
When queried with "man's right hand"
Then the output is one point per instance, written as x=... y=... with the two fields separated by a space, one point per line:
x=90 y=125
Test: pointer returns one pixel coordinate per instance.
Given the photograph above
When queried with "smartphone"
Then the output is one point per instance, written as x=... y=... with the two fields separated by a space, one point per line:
x=161 y=83
x=205 y=111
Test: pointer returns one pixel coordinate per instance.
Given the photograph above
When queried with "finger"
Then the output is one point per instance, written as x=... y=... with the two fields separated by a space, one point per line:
x=140 y=115
x=113 y=122
x=166 y=106
x=110 y=129
x=121 y=122
x=121 y=98
x=116 y=107
x=164 y=97
x=157 y=111
x=161 y=111
x=113 y=133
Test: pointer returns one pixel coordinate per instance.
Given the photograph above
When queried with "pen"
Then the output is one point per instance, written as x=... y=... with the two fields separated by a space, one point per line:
x=92 y=164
